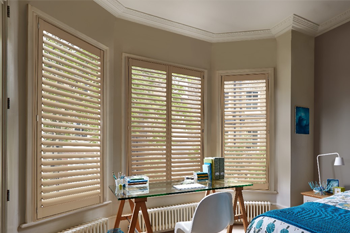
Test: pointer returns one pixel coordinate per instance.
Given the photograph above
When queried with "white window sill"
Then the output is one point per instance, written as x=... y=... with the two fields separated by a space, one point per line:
x=32 y=224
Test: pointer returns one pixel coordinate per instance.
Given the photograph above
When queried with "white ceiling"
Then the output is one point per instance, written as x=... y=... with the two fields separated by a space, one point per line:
x=230 y=20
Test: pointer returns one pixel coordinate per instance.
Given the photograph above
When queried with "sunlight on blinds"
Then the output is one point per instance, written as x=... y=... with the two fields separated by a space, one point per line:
x=70 y=122
x=186 y=125
x=245 y=128
x=166 y=120
x=148 y=122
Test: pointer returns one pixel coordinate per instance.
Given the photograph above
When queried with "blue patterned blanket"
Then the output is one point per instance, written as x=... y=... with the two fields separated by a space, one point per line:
x=314 y=217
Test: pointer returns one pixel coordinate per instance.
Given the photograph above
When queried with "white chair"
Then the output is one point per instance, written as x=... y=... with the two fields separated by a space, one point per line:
x=213 y=214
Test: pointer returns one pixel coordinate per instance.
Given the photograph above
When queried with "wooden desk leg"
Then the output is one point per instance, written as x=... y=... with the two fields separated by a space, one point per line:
x=241 y=205
x=135 y=214
x=131 y=203
x=140 y=203
x=230 y=227
x=208 y=192
x=146 y=217
x=119 y=214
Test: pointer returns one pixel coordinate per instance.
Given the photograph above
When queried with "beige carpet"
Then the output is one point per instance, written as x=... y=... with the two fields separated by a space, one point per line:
x=236 y=229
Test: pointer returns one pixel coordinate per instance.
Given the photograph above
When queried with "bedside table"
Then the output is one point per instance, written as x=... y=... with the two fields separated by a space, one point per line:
x=311 y=196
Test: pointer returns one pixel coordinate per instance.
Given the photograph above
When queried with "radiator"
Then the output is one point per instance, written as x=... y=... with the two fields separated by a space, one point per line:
x=97 y=226
x=253 y=209
x=165 y=218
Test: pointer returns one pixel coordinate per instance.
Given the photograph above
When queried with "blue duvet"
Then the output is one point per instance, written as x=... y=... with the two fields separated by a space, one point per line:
x=310 y=217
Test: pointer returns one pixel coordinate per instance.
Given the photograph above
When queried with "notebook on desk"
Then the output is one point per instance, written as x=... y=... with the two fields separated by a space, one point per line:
x=189 y=186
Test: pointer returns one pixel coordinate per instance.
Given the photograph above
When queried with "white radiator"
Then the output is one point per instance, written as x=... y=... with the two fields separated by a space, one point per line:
x=97 y=226
x=165 y=218
x=253 y=209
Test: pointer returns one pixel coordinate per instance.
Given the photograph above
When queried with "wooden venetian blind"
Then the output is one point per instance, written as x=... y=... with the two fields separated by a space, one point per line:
x=186 y=123
x=245 y=128
x=69 y=127
x=166 y=120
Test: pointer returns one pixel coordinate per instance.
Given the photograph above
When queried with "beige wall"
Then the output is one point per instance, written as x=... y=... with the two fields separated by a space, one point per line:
x=332 y=98
x=302 y=154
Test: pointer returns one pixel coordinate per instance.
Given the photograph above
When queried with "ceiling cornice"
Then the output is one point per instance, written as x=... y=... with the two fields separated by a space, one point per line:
x=297 y=23
x=334 y=22
x=293 y=22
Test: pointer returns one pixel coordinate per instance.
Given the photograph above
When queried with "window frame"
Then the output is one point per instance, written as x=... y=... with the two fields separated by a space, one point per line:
x=31 y=214
x=270 y=156
x=126 y=84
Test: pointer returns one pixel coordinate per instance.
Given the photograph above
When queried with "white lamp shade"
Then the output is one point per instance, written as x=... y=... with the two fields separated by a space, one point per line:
x=339 y=161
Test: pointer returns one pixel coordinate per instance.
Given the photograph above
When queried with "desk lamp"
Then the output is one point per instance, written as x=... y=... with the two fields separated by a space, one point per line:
x=339 y=161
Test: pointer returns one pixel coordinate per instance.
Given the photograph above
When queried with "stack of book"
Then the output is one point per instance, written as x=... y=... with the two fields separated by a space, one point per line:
x=136 y=181
x=217 y=167
x=202 y=176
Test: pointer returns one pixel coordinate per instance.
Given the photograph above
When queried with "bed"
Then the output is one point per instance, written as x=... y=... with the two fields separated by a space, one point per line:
x=327 y=215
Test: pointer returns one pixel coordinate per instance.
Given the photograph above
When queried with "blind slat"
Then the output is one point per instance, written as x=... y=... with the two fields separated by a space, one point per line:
x=69 y=161
x=57 y=201
x=66 y=95
x=82 y=86
x=72 y=174
x=69 y=186
x=69 y=65
x=67 y=131
x=69 y=89
x=69 y=168
x=68 y=76
x=69 y=180
x=62 y=68
x=62 y=55
x=58 y=44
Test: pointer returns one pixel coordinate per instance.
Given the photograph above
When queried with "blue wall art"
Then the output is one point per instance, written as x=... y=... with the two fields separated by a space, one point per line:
x=302 y=120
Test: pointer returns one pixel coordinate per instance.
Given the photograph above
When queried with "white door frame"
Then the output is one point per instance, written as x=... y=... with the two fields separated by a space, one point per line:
x=3 y=116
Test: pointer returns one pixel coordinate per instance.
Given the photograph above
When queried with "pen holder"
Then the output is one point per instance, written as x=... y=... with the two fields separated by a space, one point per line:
x=119 y=185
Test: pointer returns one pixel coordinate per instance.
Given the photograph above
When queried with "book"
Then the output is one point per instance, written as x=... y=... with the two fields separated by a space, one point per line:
x=222 y=167
x=211 y=162
x=215 y=169
x=207 y=168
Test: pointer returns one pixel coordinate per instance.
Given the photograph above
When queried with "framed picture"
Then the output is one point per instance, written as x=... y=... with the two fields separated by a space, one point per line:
x=302 y=120
x=331 y=183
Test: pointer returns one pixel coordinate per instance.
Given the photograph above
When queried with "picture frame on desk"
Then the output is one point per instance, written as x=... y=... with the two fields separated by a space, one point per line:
x=331 y=183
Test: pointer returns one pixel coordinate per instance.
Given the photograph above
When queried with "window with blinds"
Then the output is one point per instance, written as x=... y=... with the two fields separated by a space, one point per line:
x=245 y=105
x=69 y=122
x=165 y=120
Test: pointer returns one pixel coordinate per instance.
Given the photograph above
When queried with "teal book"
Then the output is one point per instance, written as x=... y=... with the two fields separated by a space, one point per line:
x=207 y=168
x=211 y=161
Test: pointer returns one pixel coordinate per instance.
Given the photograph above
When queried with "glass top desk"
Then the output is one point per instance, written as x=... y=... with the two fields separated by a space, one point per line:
x=140 y=196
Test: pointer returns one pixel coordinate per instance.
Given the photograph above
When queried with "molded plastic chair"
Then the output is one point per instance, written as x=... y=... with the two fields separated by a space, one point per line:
x=213 y=214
